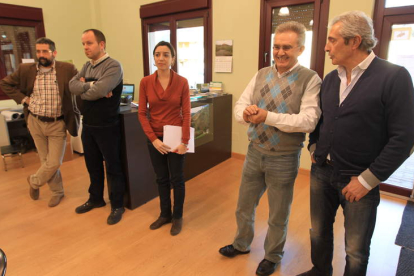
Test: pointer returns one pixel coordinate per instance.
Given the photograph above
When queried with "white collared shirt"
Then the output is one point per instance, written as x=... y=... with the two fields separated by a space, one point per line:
x=96 y=62
x=356 y=73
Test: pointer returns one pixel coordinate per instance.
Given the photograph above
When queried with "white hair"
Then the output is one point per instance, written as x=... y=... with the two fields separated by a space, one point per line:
x=356 y=23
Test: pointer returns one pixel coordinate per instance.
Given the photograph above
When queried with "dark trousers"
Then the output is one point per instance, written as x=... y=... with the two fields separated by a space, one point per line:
x=103 y=144
x=326 y=197
x=169 y=170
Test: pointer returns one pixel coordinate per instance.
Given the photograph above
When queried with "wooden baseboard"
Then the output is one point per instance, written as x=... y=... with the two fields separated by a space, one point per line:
x=238 y=156
x=304 y=171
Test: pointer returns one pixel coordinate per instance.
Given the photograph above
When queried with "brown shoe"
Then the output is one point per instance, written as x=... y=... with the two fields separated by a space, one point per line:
x=34 y=193
x=55 y=200
x=159 y=222
x=177 y=225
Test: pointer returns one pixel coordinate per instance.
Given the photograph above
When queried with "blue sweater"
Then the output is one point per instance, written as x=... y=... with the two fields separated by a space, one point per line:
x=372 y=129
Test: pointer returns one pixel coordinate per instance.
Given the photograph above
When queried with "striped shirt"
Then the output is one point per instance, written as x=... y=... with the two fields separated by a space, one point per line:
x=45 y=99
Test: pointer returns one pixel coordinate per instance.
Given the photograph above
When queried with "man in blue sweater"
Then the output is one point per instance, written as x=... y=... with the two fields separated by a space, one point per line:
x=365 y=133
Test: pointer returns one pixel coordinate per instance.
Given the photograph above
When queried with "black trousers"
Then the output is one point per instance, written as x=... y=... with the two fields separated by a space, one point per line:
x=169 y=169
x=103 y=144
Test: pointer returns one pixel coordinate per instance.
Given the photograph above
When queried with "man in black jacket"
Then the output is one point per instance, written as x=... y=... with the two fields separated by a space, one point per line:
x=365 y=133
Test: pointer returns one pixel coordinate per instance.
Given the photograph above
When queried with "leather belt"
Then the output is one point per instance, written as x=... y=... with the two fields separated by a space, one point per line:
x=47 y=119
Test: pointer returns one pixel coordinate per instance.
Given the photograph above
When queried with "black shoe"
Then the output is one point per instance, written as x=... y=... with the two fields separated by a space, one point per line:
x=266 y=268
x=177 y=225
x=159 y=222
x=116 y=215
x=230 y=251
x=88 y=206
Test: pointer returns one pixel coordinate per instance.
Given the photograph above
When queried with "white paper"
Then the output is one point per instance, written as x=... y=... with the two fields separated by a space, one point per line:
x=27 y=60
x=223 y=64
x=172 y=137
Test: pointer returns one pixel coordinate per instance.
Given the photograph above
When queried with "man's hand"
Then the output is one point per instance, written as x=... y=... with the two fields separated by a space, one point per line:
x=82 y=79
x=259 y=117
x=250 y=110
x=354 y=191
x=109 y=94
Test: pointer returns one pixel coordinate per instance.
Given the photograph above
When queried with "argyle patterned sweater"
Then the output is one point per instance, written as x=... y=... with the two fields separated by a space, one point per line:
x=280 y=95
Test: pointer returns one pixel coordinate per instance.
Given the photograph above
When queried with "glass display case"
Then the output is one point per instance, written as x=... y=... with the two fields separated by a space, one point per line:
x=202 y=122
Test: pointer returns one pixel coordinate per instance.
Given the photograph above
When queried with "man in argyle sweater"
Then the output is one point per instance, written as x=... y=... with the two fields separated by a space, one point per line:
x=280 y=104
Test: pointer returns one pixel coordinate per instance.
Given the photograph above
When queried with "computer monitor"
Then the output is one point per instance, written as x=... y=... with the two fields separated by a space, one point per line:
x=128 y=90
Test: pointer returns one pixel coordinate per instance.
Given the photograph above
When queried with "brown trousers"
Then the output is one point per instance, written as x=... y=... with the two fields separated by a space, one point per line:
x=50 y=141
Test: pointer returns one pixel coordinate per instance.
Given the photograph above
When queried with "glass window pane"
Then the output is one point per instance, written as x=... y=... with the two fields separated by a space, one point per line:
x=400 y=50
x=190 y=50
x=156 y=32
x=300 y=13
x=398 y=3
x=16 y=43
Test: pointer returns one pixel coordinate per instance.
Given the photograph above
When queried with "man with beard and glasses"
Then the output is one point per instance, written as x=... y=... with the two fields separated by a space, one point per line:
x=50 y=109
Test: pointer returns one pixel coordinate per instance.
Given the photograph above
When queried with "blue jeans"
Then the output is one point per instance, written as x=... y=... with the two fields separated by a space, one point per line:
x=277 y=174
x=326 y=196
x=169 y=169
x=104 y=144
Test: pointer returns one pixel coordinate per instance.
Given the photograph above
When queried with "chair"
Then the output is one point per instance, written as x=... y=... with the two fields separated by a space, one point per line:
x=10 y=151
x=3 y=263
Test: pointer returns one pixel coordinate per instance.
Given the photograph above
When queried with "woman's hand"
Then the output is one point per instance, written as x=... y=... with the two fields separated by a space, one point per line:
x=181 y=149
x=160 y=146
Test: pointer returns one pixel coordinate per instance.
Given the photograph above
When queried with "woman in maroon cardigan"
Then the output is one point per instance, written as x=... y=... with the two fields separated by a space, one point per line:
x=168 y=98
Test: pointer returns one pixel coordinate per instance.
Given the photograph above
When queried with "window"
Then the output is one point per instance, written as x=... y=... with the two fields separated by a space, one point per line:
x=398 y=3
x=394 y=28
x=311 y=13
x=19 y=28
x=187 y=26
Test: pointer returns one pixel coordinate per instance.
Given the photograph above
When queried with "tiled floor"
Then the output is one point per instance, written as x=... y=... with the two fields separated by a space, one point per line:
x=404 y=176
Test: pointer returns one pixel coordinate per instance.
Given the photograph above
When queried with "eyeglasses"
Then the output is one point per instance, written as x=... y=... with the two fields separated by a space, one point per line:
x=285 y=48
x=38 y=52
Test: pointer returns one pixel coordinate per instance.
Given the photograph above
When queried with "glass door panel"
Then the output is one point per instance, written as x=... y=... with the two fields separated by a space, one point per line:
x=16 y=43
x=398 y=3
x=400 y=49
x=190 y=50
x=300 y=13
x=156 y=32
